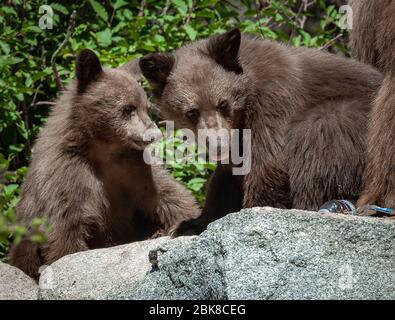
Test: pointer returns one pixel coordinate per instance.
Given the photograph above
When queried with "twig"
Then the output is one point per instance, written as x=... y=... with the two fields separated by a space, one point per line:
x=112 y=13
x=27 y=123
x=258 y=16
x=43 y=103
x=161 y=24
x=70 y=30
x=300 y=20
x=329 y=43
x=142 y=7
x=303 y=19
x=187 y=18
x=235 y=7
x=166 y=8
x=35 y=95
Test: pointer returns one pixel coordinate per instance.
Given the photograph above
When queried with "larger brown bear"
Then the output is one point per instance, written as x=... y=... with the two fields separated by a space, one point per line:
x=373 y=42
x=307 y=111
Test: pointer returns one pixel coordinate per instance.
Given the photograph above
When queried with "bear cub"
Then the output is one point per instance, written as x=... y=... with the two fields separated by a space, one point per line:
x=88 y=177
x=306 y=110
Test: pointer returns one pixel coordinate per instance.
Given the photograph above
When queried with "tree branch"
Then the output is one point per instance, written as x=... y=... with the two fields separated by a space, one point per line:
x=43 y=103
x=70 y=30
x=142 y=7
x=330 y=42
x=258 y=7
x=35 y=95
x=166 y=8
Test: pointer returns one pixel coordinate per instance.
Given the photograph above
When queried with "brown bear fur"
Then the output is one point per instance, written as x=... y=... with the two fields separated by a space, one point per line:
x=373 y=42
x=87 y=174
x=307 y=111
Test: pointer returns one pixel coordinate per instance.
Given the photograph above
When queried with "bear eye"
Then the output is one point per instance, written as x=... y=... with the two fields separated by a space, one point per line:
x=128 y=109
x=192 y=114
x=223 y=107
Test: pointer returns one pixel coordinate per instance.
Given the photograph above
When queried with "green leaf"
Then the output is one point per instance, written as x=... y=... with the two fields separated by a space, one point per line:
x=10 y=189
x=159 y=39
x=16 y=148
x=4 y=47
x=191 y=32
x=20 y=96
x=6 y=60
x=119 y=3
x=104 y=37
x=8 y=10
x=22 y=130
x=37 y=238
x=196 y=184
x=181 y=6
x=99 y=9
x=60 y=8
x=29 y=81
x=306 y=36
x=34 y=29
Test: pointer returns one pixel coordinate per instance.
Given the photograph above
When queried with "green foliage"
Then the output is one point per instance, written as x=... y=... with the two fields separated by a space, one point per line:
x=119 y=30
x=9 y=187
x=184 y=162
x=9 y=197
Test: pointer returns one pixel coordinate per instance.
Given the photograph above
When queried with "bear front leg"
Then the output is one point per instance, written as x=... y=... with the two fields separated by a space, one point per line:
x=379 y=175
x=62 y=242
x=26 y=256
x=29 y=256
x=267 y=184
x=174 y=203
x=224 y=195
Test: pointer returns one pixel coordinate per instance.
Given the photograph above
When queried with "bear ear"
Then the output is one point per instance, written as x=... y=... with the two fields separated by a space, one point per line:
x=156 y=67
x=133 y=68
x=87 y=70
x=224 y=49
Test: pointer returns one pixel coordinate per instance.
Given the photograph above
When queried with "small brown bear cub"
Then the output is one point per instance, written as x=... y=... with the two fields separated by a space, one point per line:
x=87 y=174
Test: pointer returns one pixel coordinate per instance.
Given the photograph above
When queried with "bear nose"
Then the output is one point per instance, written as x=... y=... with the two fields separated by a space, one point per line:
x=152 y=134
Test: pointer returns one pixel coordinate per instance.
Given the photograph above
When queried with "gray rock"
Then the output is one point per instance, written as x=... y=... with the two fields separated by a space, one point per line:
x=15 y=285
x=260 y=253
x=265 y=253
x=110 y=273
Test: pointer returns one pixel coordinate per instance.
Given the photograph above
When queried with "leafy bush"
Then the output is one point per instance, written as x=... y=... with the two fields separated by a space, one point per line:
x=184 y=161
x=9 y=197
x=119 y=30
